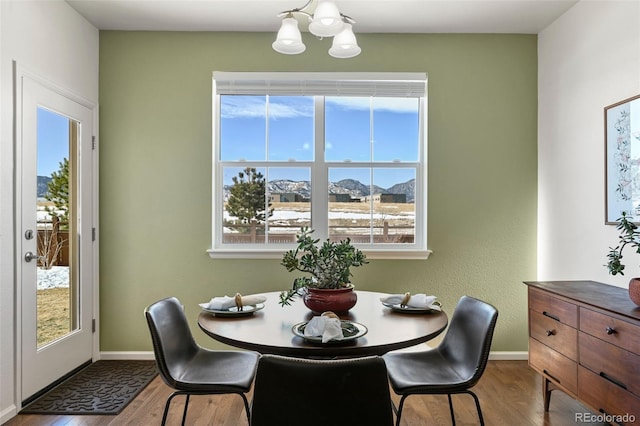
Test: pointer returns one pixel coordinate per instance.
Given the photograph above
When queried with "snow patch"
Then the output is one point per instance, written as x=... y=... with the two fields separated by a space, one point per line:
x=57 y=276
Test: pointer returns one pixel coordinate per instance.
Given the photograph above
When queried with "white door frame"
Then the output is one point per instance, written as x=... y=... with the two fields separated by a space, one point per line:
x=19 y=73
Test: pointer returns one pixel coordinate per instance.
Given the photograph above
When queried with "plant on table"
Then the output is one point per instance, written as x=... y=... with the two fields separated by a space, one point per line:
x=629 y=235
x=328 y=265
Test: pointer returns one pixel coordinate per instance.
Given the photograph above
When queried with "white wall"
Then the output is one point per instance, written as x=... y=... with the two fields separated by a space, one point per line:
x=51 y=40
x=587 y=59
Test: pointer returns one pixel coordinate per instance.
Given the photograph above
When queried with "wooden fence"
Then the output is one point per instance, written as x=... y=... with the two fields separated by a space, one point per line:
x=53 y=244
x=255 y=234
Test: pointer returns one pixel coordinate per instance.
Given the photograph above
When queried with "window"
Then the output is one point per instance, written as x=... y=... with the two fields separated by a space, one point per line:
x=342 y=153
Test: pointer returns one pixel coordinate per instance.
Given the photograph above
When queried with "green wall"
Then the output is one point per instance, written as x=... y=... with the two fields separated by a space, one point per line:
x=155 y=167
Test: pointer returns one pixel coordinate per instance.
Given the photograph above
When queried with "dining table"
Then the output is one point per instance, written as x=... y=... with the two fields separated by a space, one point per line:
x=270 y=328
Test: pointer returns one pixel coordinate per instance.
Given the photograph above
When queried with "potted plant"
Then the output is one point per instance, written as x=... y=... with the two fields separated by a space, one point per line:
x=629 y=235
x=329 y=273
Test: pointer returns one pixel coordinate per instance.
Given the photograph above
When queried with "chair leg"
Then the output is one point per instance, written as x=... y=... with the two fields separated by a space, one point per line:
x=453 y=417
x=166 y=407
x=399 y=410
x=475 y=397
x=246 y=407
x=184 y=413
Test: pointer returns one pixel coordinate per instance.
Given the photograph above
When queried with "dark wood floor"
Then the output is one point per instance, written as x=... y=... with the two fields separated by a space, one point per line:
x=509 y=392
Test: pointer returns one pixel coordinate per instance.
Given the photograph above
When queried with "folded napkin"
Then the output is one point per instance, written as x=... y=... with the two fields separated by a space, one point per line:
x=225 y=303
x=421 y=301
x=327 y=326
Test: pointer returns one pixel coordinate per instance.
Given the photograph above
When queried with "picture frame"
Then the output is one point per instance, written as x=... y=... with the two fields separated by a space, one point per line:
x=622 y=160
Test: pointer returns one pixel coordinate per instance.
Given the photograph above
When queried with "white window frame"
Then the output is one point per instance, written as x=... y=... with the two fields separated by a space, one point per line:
x=324 y=84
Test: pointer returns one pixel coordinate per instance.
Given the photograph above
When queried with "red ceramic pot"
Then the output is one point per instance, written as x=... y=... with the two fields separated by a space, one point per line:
x=634 y=290
x=338 y=300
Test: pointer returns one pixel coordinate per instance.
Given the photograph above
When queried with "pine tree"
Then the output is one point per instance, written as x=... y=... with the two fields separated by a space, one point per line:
x=247 y=197
x=58 y=193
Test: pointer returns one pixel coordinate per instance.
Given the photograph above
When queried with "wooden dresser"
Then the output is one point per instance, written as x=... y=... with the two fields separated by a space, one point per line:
x=584 y=339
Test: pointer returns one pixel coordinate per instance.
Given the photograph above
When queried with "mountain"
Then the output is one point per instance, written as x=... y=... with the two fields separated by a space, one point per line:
x=354 y=188
x=43 y=186
x=285 y=186
x=408 y=188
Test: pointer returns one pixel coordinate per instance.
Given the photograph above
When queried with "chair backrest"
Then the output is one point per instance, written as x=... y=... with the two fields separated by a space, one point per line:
x=293 y=391
x=173 y=343
x=468 y=340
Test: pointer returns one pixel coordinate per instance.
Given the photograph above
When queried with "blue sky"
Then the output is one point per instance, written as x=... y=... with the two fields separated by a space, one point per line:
x=53 y=141
x=357 y=129
x=350 y=121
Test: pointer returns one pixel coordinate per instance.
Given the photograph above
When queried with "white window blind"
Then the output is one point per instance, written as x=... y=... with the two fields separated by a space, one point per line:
x=324 y=84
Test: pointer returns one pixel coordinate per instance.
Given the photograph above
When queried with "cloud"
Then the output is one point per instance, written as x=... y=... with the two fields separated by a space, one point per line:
x=292 y=106
x=398 y=105
x=255 y=107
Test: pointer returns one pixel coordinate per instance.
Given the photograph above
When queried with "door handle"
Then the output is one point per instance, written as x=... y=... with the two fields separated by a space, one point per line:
x=29 y=256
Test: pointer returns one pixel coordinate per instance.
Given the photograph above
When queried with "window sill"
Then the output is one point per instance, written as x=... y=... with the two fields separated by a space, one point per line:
x=277 y=254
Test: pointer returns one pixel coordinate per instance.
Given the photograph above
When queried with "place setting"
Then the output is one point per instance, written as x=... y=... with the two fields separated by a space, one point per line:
x=236 y=306
x=411 y=304
x=328 y=328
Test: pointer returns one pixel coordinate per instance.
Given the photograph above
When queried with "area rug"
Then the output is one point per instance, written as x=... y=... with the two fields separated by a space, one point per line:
x=104 y=387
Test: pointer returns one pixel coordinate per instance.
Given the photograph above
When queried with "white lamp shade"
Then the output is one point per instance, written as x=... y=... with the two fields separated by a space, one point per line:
x=345 y=44
x=289 y=40
x=326 y=21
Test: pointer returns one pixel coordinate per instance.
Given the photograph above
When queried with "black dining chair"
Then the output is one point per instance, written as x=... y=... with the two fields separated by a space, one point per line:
x=312 y=392
x=189 y=368
x=455 y=365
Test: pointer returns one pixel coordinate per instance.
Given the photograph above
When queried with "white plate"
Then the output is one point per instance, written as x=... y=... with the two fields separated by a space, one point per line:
x=353 y=330
x=411 y=310
x=234 y=311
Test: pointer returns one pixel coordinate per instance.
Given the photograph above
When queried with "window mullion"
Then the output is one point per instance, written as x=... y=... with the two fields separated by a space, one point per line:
x=319 y=175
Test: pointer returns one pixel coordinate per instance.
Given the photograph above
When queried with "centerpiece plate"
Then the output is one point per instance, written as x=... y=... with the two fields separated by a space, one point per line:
x=350 y=330
x=233 y=311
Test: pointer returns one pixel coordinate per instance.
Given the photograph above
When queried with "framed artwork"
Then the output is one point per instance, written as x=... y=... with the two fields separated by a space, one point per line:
x=622 y=160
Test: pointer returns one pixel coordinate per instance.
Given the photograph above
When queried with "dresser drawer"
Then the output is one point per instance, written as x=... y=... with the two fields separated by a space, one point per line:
x=607 y=398
x=617 y=332
x=554 y=334
x=553 y=307
x=556 y=366
x=618 y=366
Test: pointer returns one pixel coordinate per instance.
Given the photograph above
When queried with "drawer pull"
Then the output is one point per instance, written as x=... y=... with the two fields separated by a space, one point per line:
x=612 y=380
x=553 y=317
x=550 y=375
x=551 y=332
x=611 y=330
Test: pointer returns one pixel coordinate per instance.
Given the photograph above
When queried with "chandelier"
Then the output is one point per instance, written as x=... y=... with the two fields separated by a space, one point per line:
x=326 y=21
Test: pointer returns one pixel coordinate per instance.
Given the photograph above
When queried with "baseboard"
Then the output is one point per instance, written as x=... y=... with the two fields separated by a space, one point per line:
x=8 y=413
x=494 y=356
x=128 y=355
x=509 y=356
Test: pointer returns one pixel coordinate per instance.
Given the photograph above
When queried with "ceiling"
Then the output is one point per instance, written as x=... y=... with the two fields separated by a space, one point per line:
x=371 y=16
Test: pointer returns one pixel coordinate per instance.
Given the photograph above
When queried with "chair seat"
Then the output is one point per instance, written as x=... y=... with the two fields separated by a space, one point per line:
x=234 y=371
x=424 y=372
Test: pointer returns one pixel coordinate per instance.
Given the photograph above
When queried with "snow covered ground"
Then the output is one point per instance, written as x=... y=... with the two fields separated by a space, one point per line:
x=57 y=276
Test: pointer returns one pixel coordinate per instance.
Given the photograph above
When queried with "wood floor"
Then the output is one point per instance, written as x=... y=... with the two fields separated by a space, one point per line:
x=509 y=392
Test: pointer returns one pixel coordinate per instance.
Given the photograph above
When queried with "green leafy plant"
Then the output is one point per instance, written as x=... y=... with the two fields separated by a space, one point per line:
x=629 y=235
x=328 y=265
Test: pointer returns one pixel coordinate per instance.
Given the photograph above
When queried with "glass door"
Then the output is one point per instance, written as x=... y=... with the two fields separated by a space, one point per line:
x=55 y=232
